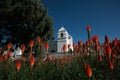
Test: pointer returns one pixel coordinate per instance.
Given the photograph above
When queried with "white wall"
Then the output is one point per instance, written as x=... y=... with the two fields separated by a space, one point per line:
x=65 y=40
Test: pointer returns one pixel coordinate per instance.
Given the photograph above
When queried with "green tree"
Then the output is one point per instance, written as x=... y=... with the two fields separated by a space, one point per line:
x=22 y=20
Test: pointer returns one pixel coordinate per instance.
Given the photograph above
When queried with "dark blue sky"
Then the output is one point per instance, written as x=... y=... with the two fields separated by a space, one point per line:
x=102 y=15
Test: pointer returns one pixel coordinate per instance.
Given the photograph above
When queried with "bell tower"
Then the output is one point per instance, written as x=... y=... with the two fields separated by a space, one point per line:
x=64 y=39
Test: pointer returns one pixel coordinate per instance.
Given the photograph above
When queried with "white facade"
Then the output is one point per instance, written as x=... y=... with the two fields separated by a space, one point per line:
x=64 y=39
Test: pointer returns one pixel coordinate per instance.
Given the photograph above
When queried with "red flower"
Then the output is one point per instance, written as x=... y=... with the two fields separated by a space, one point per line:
x=68 y=58
x=80 y=43
x=64 y=48
x=108 y=50
x=107 y=40
x=38 y=39
x=32 y=60
x=18 y=65
x=9 y=45
x=111 y=65
x=85 y=52
x=31 y=43
x=115 y=42
x=100 y=58
x=91 y=40
x=113 y=60
x=88 y=28
x=87 y=43
x=69 y=46
x=74 y=45
x=5 y=57
x=23 y=58
x=23 y=47
x=84 y=45
x=46 y=46
x=113 y=55
x=95 y=38
x=98 y=47
x=89 y=71
x=85 y=64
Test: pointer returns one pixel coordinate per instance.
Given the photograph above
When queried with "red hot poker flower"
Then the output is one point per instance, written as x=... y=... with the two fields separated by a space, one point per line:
x=107 y=40
x=108 y=50
x=89 y=71
x=64 y=48
x=74 y=45
x=100 y=58
x=46 y=46
x=114 y=42
x=23 y=47
x=85 y=64
x=18 y=65
x=111 y=66
x=31 y=43
x=95 y=38
x=38 y=39
x=88 y=28
x=69 y=45
x=9 y=45
x=5 y=57
x=32 y=60
x=98 y=47
x=68 y=58
x=80 y=43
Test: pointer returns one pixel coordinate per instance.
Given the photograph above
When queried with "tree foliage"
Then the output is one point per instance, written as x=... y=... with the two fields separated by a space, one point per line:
x=22 y=20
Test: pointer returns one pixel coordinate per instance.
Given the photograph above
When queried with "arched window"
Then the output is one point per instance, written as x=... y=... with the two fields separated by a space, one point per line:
x=61 y=35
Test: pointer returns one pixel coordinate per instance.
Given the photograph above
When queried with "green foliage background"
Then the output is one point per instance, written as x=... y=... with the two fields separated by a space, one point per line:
x=22 y=20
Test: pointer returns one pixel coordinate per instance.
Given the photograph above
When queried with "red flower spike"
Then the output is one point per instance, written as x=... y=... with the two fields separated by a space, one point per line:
x=87 y=43
x=18 y=65
x=23 y=47
x=100 y=58
x=95 y=38
x=64 y=48
x=85 y=64
x=9 y=45
x=108 y=50
x=32 y=60
x=68 y=58
x=31 y=43
x=74 y=45
x=46 y=46
x=69 y=46
x=113 y=60
x=38 y=39
x=98 y=47
x=88 y=28
x=80 y=43
x=111 y=66
x=84 y=45
x=5 y=57
x=114 y=42
x=89 y=71
x=107 y=40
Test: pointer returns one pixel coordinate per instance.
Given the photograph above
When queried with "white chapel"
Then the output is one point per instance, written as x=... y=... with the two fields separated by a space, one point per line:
x=64 y=39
